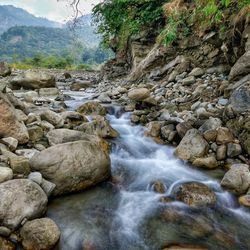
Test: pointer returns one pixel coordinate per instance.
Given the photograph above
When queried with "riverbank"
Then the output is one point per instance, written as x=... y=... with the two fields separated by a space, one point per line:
x=57 y=141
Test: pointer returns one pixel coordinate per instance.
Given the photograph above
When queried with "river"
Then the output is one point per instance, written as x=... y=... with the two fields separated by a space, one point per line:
x=126 y=213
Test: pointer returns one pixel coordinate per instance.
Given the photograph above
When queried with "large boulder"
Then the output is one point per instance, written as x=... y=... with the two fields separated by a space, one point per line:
x=49 y=92
x=192 y=146
x=20 y=199
x=10 y=126
x=5 y=69
x=39 y=234
x=34 y=79
x=241 y=67
x=237 y=179
x=92 y=108
x=195 y=194
x=138 y=94
x=73 y=166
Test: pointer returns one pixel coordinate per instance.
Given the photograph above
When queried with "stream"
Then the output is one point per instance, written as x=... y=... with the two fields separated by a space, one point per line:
x=126 y=214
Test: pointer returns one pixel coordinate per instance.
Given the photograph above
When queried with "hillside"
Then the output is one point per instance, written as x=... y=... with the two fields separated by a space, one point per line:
x=11 y=16
x=21 y=41
x=23 y=35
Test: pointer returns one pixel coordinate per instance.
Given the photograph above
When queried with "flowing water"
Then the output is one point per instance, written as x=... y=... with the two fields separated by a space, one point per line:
x=126 y=214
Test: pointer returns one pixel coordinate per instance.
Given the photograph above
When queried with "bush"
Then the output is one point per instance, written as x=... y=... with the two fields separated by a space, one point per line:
x=51 y=62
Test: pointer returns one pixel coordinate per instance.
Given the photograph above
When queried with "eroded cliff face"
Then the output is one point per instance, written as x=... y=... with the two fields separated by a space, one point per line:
x=146 y=58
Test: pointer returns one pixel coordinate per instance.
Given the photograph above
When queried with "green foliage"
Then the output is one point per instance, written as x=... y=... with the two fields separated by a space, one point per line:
x=169 y=34
x=225 y=3
x=122 y=18
x=28 y=41
x=42 y=61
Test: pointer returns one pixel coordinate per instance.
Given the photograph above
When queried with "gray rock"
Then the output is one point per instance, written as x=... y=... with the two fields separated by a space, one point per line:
x=48 y=187
x=188 y=81
x=206 y=162
x=240 y=100
x=26 y=153
x=35 y=133
x=221 y=152
x=182 y=128
x=4 y=231
x=10 y=126
x=166 y=131
x=20 y=199
x=48 y=92
x=53 y=118
x=224 y=135
x=6 y=174
x=154 y=128
x=73 y=166
x=34 y=79
x=19 y=165
x=233 y=149
x=192 y=146
x=30 y=96
x=241 y=67
x=172 y=76
x=223 y=102
x=10 y=142
x=210 y=124
x=237 y=179
x=36 y=177
x=40 y=234
x=197 y=72
x=104 y=98
x=138 y=94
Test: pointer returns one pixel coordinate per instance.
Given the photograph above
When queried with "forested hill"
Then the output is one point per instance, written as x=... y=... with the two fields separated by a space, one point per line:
x=23 y=41
x=25 y=36
x=11 y=16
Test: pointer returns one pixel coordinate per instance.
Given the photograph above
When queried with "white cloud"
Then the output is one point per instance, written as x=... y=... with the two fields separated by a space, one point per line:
x=52 y=9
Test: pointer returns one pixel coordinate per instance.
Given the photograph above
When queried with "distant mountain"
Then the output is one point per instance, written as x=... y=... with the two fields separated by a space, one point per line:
x=11 y=16
x=85 y=30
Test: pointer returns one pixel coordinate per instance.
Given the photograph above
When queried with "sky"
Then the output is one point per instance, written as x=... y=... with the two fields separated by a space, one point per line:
x=52 y=9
